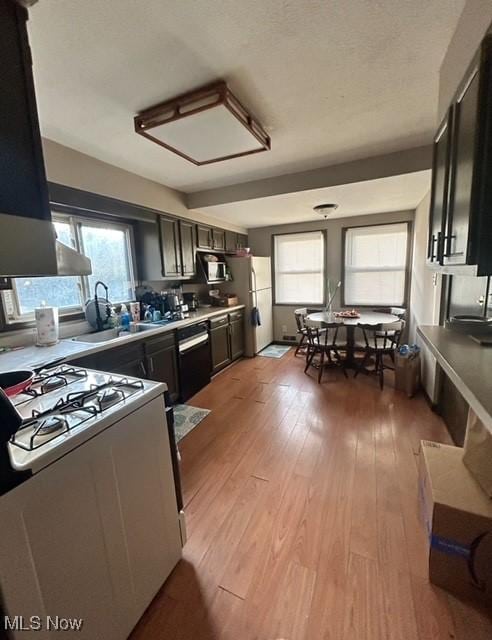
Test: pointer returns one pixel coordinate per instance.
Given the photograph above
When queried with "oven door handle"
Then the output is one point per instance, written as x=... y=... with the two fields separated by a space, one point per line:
x=193 y=344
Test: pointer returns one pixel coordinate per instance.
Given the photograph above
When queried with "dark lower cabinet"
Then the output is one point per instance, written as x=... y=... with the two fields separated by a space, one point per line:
x=226 y=339
x=236 y=334
x=153 y=359
x=219 y=343
x=162 y=363
x=453 y=409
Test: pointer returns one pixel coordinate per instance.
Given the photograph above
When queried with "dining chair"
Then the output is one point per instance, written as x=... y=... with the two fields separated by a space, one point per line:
x=300 y=316
x=377 y=344
x=325 y=342
x=399 y=312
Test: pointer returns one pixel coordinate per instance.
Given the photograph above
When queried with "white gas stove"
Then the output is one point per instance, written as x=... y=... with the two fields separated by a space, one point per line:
x=66 y=406
x=89 y=503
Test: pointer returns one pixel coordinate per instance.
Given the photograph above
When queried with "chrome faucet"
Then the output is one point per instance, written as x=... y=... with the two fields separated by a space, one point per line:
x=99 y=320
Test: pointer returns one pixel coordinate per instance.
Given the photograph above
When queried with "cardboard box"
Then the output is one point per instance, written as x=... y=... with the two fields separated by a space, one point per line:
x=478 y=452
x=407 y=374
x=457 y=515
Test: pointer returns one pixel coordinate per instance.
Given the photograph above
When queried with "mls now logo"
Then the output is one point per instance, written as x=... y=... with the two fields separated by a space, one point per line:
x=37 y=623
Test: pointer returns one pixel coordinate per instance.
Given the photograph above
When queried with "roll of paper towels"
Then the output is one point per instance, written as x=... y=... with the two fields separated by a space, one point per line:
x=46 y=325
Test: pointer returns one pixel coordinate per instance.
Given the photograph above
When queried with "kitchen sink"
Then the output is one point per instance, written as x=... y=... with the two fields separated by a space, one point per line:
x=109 y=335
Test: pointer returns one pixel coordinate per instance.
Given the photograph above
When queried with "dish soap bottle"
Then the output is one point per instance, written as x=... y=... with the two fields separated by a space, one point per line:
x=125 y=318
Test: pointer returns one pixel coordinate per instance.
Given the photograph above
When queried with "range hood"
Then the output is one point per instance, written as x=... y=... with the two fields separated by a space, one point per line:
x=29 y=248
x=70 y=262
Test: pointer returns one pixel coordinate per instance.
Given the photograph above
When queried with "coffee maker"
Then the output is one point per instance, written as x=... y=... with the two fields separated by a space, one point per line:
x=175 y=304
x=191 y=300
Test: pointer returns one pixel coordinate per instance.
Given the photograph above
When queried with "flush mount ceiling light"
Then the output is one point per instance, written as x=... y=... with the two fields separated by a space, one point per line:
x=204 y=126
x=325 y=209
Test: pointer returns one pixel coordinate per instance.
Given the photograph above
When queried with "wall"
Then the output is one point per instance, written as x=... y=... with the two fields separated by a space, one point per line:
x=425 y=294
x=74 y=169
x=260 y=241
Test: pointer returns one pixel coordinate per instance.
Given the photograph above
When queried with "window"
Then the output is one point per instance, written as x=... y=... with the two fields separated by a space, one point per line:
x=376 y=265
x=299 y=268
x=108 y=245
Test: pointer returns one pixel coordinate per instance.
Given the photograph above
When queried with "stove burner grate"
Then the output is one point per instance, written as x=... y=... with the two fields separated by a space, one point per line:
x=50 y=379
x=54 y=421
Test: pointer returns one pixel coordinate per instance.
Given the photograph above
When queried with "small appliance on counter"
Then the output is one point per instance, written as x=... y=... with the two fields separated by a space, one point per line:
x=224 y=300
x=191 y=300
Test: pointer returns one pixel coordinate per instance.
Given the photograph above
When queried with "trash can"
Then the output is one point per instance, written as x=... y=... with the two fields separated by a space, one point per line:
x=407 y=369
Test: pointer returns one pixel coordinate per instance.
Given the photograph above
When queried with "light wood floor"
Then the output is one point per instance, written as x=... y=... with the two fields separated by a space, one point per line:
x=302 y=515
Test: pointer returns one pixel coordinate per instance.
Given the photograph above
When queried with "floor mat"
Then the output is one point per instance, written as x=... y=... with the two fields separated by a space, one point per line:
x=274 y=350
x=187 y=418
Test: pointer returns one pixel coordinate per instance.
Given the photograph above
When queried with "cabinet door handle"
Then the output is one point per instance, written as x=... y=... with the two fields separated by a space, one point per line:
x=151 y=363
x=142 y=366
x=432 y=243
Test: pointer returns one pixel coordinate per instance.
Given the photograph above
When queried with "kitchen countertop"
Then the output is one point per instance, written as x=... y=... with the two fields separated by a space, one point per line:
x=32 y=356
x=467 y=364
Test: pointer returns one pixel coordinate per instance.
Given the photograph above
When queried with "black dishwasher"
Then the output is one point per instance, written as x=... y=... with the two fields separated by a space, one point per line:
x=194 y=359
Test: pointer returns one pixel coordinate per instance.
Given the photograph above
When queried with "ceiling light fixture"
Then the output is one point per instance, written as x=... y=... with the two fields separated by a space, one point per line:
x=325 y=209
x=204 y=126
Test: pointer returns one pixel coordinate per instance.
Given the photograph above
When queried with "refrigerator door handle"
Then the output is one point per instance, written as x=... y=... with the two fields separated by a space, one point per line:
x=253 y=273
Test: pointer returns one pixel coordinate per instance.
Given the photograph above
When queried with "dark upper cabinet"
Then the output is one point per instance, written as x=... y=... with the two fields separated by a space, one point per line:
x=170 y=247
x=439 y=190
x=218 y=239
x=187 y=239
x=204 y=239
x=27 y=241
x=230 y=241
x=242 y=241
x=464 y=165
x=462 y=188
x=23 y=186
x=148 y=250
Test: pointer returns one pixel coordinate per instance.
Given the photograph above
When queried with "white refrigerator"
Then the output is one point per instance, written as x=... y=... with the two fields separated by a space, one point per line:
x=252 y=282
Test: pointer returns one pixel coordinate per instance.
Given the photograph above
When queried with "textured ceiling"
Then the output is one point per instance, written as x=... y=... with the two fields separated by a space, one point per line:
x=331 y=80
x=397 y=193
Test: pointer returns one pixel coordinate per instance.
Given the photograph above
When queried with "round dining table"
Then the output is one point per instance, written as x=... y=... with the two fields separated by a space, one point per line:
x=373 y=318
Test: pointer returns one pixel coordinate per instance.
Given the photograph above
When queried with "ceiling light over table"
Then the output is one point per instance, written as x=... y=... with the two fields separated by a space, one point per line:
x=325 y=209
x=204 y=126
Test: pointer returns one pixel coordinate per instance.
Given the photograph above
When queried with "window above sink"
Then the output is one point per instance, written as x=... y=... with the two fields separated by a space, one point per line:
x=109 y=246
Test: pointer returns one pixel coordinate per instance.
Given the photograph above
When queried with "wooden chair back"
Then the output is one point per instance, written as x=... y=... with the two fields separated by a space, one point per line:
x=383 y=337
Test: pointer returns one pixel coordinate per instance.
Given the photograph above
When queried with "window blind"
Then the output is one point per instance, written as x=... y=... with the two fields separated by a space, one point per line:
x=299 y=268
x=376 y=265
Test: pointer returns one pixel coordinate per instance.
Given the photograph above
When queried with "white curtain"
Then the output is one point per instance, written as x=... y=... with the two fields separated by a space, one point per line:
x=299 y=268
x=375 y=265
